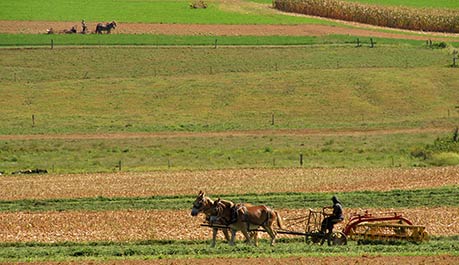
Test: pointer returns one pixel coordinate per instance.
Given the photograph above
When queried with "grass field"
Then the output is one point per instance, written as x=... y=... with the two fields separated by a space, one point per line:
x=395 y=199
x=242 y=12
x=159 y=11
x=309 y=80
x=140 y=90
x=185 y=249
x=213 y=152
x=9 y=40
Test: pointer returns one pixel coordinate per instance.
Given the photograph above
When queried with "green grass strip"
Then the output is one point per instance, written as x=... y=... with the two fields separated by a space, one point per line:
x=445 y=196
x=199 y=249
x=171 y=40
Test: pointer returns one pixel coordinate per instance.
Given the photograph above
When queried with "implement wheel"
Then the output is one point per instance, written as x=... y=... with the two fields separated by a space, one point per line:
x=337 y=239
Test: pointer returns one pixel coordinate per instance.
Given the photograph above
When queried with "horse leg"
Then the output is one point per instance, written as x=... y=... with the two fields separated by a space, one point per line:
x=233 y=236
x=271 y=233
x=245 y=231
x=225 y=232
x=214 y=236
x=255 y=238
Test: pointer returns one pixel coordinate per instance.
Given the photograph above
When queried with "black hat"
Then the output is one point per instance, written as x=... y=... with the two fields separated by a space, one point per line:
x=335 y=199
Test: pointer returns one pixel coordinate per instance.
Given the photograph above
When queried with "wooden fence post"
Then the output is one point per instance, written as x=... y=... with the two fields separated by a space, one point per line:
x=52 y=44
x=33 y=120
x=454 y=58
x=301 y=159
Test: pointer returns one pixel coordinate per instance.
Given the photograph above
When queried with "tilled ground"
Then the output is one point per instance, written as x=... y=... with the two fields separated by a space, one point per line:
x=231 y=181
x=40 y=27
x=133 y=225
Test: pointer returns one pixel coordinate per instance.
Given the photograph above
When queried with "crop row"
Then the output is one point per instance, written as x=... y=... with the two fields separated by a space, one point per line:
x=438 y=20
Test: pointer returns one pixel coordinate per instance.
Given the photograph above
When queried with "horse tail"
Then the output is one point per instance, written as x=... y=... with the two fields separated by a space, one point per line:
x=279 y=220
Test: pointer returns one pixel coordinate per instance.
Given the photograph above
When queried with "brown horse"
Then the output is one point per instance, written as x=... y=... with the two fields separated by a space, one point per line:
x=245 y=218
x=203 y=204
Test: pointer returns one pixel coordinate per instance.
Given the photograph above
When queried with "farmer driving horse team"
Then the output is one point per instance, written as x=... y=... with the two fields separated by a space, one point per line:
x=247 y=218
x=100 y=27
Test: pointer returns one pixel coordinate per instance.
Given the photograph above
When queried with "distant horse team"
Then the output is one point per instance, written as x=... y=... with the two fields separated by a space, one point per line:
x=100 y=28
x=246 y=218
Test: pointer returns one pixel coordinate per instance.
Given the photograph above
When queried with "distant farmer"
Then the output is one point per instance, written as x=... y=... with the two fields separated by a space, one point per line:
x=84 y=26
x=336 y=217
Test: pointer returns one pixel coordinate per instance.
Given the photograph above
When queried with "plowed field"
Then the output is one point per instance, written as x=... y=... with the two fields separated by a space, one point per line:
x=223 y=182
x=132 y=225
x=40 y=27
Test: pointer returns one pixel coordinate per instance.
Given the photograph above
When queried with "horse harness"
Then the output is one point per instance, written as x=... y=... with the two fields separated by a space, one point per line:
x=245 y=215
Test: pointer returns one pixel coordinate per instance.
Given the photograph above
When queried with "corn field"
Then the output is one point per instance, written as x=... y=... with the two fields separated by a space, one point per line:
x=436 y=20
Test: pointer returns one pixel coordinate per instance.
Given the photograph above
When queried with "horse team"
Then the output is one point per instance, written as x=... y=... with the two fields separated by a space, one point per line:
x=100 y=28
x=228 y=216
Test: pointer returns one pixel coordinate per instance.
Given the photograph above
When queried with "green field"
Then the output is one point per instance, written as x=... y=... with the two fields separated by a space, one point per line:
x=147 y=250
x=178 y=103
x=112 y=88
x=148 y=11
x=269 y=151
x=172 y=11
x=140 y=90
x=21 y=40
x=398 y=199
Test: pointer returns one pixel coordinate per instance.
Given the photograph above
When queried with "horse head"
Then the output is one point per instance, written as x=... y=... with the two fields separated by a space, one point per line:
x=221 y=210
x=201 y=204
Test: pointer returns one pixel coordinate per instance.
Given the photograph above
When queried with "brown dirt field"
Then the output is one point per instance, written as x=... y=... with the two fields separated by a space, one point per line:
x=132 y=225
x=40 y=27
x=230 y=181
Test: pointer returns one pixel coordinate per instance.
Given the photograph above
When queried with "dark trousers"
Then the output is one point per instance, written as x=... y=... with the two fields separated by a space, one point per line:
x=328 y=223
